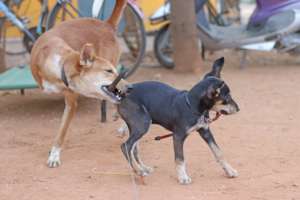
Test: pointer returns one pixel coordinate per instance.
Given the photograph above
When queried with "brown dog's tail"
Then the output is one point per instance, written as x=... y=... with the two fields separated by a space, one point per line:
x=117 y=13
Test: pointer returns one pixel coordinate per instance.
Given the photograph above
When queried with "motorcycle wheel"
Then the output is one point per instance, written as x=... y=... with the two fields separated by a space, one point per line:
x=163 y=48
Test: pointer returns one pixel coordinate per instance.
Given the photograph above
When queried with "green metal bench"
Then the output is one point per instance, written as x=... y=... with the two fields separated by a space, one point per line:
x=17 y=78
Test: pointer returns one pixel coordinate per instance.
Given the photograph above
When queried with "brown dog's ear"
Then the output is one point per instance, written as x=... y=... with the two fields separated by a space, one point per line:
x=87 y=55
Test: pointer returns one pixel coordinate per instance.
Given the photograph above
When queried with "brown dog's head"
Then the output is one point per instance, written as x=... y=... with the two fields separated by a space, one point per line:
x=91 y=73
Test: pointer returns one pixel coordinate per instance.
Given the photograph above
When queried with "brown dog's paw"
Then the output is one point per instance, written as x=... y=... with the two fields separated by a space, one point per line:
x=54 y=157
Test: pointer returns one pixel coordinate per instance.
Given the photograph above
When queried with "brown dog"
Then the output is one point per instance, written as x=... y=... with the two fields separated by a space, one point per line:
x=77 y=57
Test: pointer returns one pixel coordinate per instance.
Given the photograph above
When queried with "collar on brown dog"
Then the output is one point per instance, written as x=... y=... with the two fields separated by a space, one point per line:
x=64 y=77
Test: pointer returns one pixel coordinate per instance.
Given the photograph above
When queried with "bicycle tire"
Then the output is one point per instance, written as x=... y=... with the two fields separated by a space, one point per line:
x=53 y=15
x=163 y=59
x=142 y=49
x=141 y=52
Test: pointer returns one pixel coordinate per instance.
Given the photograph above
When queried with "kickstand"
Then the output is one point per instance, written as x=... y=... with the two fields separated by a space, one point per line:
x=243 y=59
x=103 y=111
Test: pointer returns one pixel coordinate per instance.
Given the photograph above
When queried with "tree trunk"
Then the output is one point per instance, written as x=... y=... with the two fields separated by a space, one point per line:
x=184 y=35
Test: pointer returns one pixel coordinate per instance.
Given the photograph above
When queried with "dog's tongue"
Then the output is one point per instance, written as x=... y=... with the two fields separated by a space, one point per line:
x=112 y=86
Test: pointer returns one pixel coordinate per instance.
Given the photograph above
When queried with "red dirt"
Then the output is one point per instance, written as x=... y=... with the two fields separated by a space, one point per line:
x=261 y=142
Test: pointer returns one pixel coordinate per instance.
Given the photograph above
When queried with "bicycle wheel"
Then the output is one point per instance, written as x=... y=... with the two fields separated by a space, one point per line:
x=163 y=49
x=61 y=12
x=133 y=37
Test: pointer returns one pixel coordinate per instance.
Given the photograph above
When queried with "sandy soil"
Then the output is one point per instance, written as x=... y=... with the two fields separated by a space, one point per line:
x=261 y=142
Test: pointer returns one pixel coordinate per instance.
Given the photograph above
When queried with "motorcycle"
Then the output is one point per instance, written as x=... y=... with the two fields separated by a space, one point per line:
x=273 y=25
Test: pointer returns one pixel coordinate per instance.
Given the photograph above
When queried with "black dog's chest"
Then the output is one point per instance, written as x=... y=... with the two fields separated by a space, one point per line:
x=201 y=122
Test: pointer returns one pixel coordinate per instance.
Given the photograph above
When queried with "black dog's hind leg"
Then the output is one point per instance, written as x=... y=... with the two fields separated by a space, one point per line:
x=138 y=121
x=146 y=169
x=178 y=139
x=209 y=139
x=129 y=150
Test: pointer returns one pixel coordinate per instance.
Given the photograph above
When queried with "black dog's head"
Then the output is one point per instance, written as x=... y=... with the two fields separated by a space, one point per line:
x=212 y=93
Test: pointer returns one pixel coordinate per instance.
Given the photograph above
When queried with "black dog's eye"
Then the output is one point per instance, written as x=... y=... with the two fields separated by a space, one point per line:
x=109 y=70
x=226 y=99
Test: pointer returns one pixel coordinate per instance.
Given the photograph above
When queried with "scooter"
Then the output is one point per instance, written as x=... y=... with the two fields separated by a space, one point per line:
x=273 y=25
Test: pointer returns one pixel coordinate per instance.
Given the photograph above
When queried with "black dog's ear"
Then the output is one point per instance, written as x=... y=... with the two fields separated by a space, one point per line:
x=216 y=68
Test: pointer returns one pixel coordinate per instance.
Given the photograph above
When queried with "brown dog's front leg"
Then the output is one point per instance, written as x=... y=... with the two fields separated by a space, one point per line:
x=70 y=108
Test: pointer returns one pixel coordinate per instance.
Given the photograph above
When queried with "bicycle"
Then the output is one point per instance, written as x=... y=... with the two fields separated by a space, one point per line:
x=133 y=33
x=29 y=34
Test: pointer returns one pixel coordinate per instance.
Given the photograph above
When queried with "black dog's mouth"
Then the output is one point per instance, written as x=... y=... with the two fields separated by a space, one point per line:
x=217 y=115
x=116 y=94
x=223 y=112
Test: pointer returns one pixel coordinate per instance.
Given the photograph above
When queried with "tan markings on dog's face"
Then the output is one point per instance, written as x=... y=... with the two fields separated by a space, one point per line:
x=90 y=81
x=224 y=108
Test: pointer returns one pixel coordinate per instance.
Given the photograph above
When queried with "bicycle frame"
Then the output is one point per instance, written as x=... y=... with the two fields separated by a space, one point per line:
x=64 y=2
x=97 y=5
x=10 y=15
x=43 y=16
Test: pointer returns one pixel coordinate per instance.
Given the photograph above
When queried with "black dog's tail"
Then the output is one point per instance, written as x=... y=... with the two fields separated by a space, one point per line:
x=216 y=69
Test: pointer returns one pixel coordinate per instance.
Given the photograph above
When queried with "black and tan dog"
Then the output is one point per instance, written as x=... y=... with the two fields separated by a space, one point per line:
x=181 y=112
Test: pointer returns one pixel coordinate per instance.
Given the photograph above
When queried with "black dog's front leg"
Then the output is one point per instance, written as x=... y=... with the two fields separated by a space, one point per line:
x=178 y=140
x=210 y=140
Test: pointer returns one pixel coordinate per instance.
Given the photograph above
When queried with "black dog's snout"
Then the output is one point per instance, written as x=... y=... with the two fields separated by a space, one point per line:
x=236 y=106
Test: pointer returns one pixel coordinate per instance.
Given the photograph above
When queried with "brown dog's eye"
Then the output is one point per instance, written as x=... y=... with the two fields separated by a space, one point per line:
x=109 y=70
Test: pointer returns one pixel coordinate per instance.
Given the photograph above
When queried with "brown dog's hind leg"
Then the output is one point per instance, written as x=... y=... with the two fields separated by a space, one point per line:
x=70 y=108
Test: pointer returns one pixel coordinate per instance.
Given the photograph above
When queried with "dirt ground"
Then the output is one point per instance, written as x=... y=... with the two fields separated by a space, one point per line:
x=261 y=142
